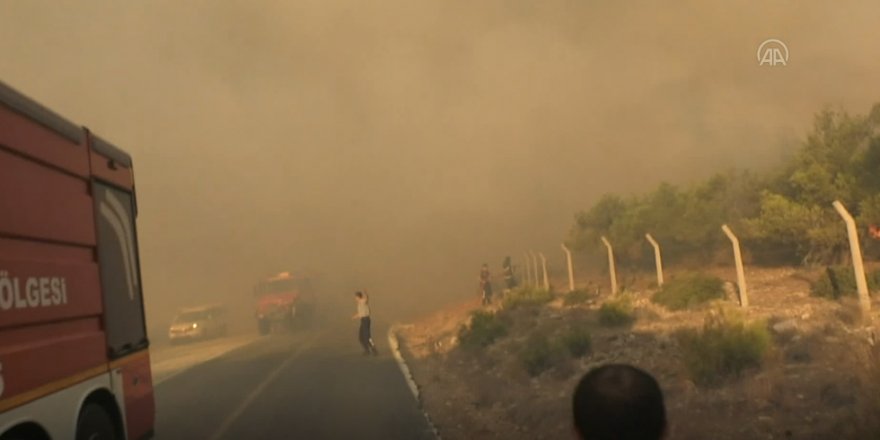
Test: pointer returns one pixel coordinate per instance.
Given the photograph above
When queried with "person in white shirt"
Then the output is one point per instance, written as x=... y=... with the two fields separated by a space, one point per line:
x=363 y=313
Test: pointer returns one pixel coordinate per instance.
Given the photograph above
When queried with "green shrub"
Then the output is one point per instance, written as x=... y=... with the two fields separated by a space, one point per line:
x=539 y=354
x=840 y=281
x=527 y=297
x=689 y=291
x=484 y=329
x=724 y=347
x=578 y=342
x=578 y=296
x=618 y=312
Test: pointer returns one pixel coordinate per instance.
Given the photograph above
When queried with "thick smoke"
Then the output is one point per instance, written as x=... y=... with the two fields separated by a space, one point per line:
x=399 y=145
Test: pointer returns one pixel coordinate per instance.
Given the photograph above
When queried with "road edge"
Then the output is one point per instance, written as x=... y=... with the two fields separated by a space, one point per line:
x=180 y=371
x=394 y=343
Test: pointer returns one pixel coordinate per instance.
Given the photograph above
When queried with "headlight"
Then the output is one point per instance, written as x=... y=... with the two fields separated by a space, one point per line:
x=195 y=325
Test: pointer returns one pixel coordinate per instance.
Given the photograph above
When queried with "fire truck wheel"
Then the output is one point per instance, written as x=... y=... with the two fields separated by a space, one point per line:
x=25 y=432
x=263 y=325
x=95 y=424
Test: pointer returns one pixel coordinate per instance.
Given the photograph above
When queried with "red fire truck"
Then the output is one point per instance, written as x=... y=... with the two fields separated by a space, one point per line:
x=283 y=301
x=74 y=362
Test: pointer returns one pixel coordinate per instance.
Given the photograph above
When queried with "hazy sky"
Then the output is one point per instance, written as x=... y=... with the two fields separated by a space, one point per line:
x=400 y=144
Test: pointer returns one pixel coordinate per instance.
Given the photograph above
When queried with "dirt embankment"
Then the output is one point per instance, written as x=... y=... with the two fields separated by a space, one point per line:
x=816 y=383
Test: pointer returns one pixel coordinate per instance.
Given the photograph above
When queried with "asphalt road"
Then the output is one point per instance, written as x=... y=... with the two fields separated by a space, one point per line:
x=311 y=384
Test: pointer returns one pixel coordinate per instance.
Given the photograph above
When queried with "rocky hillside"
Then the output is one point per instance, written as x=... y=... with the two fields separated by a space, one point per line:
x=796 y=366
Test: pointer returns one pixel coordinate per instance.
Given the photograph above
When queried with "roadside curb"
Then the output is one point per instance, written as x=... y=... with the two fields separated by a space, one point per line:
x=394 y=343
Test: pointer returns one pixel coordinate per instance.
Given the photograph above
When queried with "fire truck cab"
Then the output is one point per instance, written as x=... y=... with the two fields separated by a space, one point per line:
x=283 y=301
x=74 y=360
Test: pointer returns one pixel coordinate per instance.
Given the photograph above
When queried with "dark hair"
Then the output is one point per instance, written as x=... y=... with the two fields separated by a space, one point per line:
x=359 y=294
x=619 y=402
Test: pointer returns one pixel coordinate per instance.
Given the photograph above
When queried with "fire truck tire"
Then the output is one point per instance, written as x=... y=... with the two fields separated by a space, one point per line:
x=95 y=424
x=27 y=431
x=263 y=326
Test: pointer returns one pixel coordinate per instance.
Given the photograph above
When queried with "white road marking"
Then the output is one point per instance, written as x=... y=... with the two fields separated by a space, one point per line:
x=221 y=431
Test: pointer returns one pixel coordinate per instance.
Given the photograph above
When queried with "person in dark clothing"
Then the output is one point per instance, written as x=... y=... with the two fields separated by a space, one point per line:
x=619 y=402
x=363 y=314
x=486 y=284
x=507 y=267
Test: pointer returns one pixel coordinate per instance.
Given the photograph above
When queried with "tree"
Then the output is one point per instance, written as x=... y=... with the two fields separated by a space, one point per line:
x=833 y=165
x=592 y=224
x=784 y=217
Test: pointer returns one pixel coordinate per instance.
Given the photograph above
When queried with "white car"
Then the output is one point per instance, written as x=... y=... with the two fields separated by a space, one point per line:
x=198 y=323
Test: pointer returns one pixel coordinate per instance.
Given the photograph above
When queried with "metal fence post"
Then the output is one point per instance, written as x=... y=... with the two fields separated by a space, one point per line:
x=740 y=272
x=544 y=266
x=658 y=261
x=611 y=268
x=856 y=251
x=570 y=270
x=535 y=268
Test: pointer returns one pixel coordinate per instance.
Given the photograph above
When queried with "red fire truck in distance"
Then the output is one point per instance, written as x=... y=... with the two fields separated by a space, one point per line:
x=74 y=360
x=283 y=301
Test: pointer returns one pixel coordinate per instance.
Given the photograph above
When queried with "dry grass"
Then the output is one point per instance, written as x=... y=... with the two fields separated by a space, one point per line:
x=484 y=329
x=527 y=297
x=689 y=290
x=726 y=346
x=806 y=386
x=617 y=313
x=867 y=413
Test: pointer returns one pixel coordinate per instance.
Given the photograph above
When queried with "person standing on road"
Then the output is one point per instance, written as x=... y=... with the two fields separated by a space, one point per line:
x=363 y=314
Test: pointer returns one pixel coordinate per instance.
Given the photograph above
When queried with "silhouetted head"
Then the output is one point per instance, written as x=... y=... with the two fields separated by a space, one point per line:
x=619 y=402
x=359 y=295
